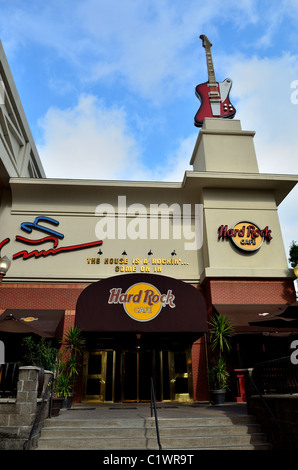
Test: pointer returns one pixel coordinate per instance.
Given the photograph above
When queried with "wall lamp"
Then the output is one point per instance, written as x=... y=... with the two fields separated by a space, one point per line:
x=4 y=266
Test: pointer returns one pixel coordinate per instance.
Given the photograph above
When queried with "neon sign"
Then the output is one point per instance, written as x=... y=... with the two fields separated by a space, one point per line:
x=52 y=237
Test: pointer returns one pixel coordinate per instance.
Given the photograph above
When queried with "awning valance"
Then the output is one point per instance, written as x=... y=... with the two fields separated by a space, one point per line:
x=260 y=318
x=141 y=303
x=44 y=323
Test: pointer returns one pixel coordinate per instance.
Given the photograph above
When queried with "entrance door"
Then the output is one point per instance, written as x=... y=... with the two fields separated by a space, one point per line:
x=180 y=375
x=137 y=368
x=98 y=374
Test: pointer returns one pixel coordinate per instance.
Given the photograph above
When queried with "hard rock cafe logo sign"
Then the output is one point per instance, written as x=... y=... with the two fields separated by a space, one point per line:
x=142 y=301
x=246 y=236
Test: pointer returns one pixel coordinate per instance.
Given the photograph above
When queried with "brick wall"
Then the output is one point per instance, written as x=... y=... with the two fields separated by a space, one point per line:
x=259 y=291
x=199 y=371
x=47 y=296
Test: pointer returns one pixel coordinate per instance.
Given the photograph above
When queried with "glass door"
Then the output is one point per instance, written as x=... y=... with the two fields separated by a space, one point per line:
x=136 y=375
x=180 y=375
x=98 y=375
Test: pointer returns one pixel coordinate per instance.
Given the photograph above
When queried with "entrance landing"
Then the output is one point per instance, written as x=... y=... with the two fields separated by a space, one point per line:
x=143 y=410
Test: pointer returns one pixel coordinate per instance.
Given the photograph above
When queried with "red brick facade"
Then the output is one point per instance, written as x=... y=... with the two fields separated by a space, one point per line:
x=248 y=291
x=47 y=296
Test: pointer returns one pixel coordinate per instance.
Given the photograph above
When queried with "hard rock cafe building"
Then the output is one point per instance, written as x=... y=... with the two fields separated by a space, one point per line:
x=139 y=267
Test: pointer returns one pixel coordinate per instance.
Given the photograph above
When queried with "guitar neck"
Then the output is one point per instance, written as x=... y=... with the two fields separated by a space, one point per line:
x=210 y=68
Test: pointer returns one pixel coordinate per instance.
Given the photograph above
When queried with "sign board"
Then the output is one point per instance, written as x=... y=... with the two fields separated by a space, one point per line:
x=245 y=235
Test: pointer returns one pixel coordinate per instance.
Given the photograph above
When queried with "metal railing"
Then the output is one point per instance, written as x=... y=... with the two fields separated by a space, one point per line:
x=276 y=376
x=47 y=391
x=153 y=409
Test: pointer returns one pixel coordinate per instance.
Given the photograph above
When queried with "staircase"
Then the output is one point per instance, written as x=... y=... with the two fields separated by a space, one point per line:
x=200 y=433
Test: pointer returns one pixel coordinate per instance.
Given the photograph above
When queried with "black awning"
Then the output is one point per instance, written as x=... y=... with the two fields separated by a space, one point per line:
x=114 y=305
x=261 y=318
x=44 y=323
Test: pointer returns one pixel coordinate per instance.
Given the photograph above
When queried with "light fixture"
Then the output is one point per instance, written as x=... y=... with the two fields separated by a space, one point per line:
x=174 y=253
x=4 y=265
x=150 y=252
x=124 y=253
x=296 y=270
x=99 y=252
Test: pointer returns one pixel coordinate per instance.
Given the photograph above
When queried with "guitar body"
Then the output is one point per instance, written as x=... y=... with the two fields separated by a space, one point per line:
x=215 y=101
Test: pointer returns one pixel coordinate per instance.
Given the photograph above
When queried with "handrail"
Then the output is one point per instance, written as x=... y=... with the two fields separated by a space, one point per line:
x=47 y=389
x=287 y=438
x=266 y=405
x=153 y=408
x=276 y=376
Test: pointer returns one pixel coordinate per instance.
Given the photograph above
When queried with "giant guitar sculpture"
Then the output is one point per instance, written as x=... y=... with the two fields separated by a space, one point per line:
x=214 y=96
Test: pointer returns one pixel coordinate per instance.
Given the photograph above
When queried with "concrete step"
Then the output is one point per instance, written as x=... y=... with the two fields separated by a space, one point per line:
x=228 y=442
x=150 y=422
x=94 y=432
x=236 y=432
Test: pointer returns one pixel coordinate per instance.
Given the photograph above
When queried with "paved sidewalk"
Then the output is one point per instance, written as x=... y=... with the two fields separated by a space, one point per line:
x=142 y=410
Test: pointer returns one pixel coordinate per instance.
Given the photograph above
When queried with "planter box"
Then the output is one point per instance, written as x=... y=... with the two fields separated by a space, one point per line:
x=56 y=406
x=67 y=402
x=218 y=397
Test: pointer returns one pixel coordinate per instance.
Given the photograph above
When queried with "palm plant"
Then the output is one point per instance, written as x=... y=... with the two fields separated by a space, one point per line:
x=218 y=374
x=68 y=361
x=63 y=386
x=73 y=341
x=221 y=332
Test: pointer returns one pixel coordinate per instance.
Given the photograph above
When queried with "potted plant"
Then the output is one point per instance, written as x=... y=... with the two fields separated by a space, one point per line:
x=58 y=391
x=67 y=365
x=63 y=389
x=41 y=353
x=221 y=332
x=218 y=379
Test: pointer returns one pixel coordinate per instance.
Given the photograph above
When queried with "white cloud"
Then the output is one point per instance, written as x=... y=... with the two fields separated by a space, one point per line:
x=88 y=141
x=262 y=91
x=153 y=45
x=93 y=142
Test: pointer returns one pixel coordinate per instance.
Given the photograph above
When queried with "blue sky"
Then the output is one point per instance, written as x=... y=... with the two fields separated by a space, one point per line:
x=108 y=85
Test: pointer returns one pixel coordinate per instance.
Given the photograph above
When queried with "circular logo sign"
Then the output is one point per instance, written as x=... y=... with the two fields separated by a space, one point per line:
x=247 y=236
x=144 y=302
